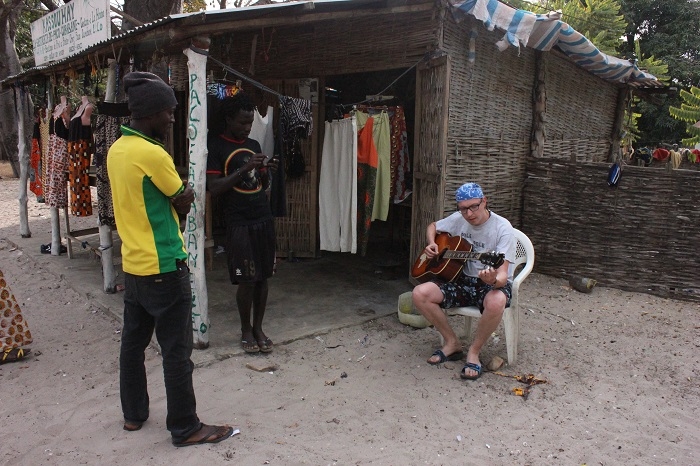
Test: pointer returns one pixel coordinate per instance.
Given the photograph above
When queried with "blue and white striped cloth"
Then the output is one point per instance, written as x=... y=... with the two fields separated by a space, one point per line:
x=542 y=32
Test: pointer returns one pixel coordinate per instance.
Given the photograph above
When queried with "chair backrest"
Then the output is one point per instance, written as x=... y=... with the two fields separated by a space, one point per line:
x=524 y=254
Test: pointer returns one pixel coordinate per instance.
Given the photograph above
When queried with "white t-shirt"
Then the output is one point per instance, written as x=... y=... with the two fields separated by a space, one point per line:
x=495 y=234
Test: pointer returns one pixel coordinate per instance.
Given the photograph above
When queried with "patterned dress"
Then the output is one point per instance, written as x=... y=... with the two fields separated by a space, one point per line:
x=14 y=332
x=79 y=153
x=55 y=191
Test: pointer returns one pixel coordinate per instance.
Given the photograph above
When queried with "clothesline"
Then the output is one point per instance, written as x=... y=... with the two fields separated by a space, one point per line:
x=244 y=77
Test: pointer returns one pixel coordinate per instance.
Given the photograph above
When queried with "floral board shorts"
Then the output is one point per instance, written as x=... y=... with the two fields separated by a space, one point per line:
x=469 y=291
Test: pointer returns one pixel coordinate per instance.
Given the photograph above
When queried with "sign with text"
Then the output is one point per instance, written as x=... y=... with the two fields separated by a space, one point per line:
x=70 y=29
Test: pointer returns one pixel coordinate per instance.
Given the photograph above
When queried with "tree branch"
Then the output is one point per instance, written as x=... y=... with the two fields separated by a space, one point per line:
x=49 y=4
x=127 y=17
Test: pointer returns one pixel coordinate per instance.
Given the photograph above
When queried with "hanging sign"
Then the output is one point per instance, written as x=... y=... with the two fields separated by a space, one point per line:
x=70 y=29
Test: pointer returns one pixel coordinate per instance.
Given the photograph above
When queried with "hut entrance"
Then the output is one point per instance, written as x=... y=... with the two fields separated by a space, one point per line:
x=392 y=92
x=432 y=88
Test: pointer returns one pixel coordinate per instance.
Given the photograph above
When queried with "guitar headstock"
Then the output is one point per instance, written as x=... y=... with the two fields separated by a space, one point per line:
x=492 y=259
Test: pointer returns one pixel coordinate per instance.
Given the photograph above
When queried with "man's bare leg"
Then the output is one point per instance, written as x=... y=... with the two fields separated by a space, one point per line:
x=427 y=298
x=494 y=305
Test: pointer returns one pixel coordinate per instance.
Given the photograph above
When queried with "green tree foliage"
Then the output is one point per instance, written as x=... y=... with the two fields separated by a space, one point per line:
x=689 y=112
x=599 y=20
x=192 y=6
x=670 y=31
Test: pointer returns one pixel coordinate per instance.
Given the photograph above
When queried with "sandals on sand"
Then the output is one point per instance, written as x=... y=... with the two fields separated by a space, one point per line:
x=456 y=356
x=13 y=354
x=250 y=346
x=265 y=345
x=475 y=367
x=207 y=434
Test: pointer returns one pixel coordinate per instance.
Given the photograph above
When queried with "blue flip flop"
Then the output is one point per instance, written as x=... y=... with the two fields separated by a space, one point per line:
x=472 y=366
x=456 y=356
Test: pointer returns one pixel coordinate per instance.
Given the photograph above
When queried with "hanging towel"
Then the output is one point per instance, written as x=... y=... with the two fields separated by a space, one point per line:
x=337 y=193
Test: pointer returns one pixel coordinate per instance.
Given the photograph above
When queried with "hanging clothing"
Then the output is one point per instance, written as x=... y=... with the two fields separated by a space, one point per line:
x=35 y=184
x=337 y=191
x=107 y=130
x=44 y=123
x=55 y=193
x=400 y=161
x=262 y=130
x=14 y=332
x=382 y=141
x=296 y=123
x=79 y=155
x=367 y=160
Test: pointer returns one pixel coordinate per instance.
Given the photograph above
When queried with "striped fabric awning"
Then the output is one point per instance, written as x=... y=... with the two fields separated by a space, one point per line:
x=542 y=32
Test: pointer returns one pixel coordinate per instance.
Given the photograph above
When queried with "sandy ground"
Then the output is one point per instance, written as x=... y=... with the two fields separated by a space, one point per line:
x=622 y=375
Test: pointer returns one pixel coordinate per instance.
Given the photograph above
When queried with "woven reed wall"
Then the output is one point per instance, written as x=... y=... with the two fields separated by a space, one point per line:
x=641 y=236
x=580 y=112
x=490 y=117
x=331 y=47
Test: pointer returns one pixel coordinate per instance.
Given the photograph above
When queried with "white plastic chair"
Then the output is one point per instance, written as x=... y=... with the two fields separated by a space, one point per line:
x=524 y=254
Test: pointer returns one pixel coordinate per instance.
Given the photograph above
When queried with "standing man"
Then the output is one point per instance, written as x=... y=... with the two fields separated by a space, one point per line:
x=148 y=194
x=237 y=171
x=476 y=285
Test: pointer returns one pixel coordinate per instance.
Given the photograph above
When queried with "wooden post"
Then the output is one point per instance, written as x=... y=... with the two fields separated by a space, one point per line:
x=109 y=277
x=539 y=108
x=23 y=101
x=194 y=230
x=616 y=136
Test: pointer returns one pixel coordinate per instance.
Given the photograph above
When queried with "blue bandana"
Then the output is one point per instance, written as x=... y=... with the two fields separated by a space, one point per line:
x=469 y=191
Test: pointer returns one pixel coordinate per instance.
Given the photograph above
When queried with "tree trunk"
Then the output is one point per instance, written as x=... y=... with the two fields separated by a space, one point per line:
x=150 y=10
x=9 y=66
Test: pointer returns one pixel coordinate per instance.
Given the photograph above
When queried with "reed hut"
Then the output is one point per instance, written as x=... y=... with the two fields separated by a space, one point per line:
x=488 y=92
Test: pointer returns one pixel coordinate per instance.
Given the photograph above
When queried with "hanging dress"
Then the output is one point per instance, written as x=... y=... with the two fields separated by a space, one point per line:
x=44 y=123
x=79 y=153
x=55 y=192
x=35 y=184
x=110 y=118
x=400 y=162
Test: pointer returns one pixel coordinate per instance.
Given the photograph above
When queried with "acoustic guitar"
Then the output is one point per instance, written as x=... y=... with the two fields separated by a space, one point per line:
x=455 y=251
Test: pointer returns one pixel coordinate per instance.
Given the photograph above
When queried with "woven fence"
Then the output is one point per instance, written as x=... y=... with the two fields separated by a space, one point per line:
x=641 y=236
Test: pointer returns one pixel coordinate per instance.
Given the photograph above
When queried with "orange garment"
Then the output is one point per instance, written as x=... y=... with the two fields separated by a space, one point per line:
x=367 y=161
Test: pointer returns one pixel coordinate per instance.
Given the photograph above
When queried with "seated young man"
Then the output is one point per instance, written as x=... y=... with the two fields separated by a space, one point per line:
x=477 y=285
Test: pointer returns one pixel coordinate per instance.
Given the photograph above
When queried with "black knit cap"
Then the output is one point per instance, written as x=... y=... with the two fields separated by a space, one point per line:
x=148 y=94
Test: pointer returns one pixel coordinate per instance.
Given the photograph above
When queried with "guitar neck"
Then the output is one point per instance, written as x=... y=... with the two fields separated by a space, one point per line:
x=462 y=255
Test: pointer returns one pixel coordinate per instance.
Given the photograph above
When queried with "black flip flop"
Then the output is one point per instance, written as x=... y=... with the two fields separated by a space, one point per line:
x=456 y=356
x=474 y=367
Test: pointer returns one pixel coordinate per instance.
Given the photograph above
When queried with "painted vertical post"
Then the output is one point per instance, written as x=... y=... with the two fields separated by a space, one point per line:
x=194 y=229
x=23 y=101
x=109 y=277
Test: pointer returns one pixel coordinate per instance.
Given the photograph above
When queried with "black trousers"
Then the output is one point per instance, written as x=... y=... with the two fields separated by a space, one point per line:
x=162 y=303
